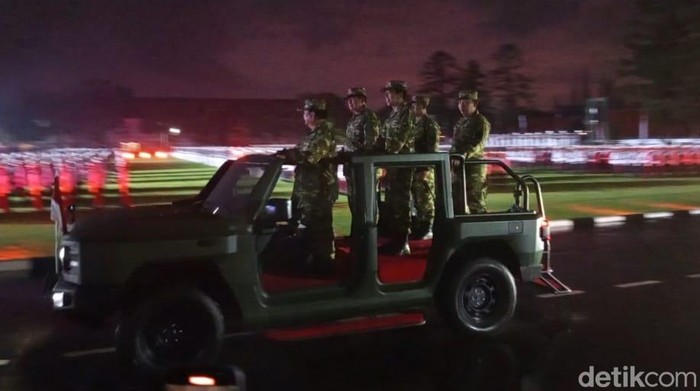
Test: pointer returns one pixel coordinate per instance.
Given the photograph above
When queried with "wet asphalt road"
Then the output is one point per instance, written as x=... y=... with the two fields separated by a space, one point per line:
x=638 y=305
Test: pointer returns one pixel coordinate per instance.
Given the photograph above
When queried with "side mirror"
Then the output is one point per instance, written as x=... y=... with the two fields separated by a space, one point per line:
x=276 y=210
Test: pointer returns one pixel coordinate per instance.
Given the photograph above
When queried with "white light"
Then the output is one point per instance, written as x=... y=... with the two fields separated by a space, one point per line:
x=62 y=253
x=161 y=154
x=174 y=131
x=202 y=381
x=144 y=155
x=658 y=215
x=73 y=264
x=57 y=299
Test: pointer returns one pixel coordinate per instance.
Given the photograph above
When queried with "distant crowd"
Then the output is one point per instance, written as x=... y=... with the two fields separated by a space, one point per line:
x=32 y=175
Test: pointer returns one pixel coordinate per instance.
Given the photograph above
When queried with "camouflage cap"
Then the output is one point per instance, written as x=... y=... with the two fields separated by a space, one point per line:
x=468 y=94
x=422 y=100
x=356 y=91
x=396 y=85
x=313 y=104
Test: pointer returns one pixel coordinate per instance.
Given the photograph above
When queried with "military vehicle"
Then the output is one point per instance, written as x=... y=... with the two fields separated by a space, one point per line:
x=180 y=276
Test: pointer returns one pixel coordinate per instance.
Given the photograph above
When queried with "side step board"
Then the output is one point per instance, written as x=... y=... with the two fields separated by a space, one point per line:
x=348 y=326
x=547 y=278
x=547 y=275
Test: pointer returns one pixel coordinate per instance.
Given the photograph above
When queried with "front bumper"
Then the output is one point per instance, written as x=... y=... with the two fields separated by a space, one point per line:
x=94 y=300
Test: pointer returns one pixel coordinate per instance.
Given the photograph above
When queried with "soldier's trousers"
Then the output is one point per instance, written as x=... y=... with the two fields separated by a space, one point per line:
x=398 y=200
x=476 y=187
x=316 y=213
x=423 y=191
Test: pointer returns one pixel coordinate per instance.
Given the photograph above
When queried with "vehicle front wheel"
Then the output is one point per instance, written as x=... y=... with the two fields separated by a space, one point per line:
x=480 y=298
x=173 y=328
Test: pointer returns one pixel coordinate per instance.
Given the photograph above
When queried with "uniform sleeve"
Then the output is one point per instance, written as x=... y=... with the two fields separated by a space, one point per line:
x=477 y=135
x=400 y=132
x=432 y=138
x=370 y=127
x=320 y=146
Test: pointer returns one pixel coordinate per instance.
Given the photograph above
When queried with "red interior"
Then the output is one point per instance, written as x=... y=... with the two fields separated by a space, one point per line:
x=392 y=269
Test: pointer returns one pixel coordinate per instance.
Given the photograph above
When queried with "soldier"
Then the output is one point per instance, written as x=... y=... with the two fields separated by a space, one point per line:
x=396 y=136
x=316 y=184
x=423 y=189
x=360 y=136
x=469 y=139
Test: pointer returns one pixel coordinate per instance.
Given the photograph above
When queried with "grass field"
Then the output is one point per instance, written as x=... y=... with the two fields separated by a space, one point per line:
x=567 y=194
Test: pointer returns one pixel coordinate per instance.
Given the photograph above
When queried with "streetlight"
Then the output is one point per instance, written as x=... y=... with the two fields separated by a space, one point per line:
x=174 y=132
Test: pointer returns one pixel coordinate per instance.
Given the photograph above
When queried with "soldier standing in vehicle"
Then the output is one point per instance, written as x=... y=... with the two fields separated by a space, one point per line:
x=469 y=138
x=360 y=136
x=397 y=136
x=423 y=189
x=316 y=184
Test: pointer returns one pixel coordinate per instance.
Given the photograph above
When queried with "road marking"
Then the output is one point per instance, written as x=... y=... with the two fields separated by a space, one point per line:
x=658 y=215
x=638 y=283
x=90 y=352
x=609 y=220
x=550 y=295
x=4 y=362
x=696 y=275
x=561 y=225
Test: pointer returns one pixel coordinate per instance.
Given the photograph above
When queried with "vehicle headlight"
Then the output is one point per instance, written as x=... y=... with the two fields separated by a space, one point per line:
x=69 y=256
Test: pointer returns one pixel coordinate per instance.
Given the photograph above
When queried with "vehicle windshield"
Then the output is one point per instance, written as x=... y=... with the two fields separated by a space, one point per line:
x=230 y=195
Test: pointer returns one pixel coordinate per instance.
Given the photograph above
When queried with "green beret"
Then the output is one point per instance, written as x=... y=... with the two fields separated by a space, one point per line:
x=396 y=85
x=314 y=104
x=356 y=91
x=468 y=94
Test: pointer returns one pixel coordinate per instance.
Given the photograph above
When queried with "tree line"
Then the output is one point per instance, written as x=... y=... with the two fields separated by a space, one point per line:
x=504 y=91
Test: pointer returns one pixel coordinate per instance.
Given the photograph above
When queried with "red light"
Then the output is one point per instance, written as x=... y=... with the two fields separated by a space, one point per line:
x=202 y=380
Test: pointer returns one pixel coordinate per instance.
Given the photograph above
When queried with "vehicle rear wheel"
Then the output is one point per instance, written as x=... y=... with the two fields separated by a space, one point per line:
x=480 y=298
x=175 y=327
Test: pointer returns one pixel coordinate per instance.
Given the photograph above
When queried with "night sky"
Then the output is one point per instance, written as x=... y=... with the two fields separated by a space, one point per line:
x=281 y=48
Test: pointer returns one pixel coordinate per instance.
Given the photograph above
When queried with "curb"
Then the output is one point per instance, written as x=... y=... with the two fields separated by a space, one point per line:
x=613 y=221
x=41 y=266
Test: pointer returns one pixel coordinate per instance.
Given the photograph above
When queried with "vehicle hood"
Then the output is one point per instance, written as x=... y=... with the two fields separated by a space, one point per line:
x=161 y=222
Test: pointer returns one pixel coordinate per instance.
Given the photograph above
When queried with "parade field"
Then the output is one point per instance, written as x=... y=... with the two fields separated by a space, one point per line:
x=27 y=233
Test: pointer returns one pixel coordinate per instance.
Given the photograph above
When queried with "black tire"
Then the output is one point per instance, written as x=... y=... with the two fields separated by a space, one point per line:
x=480 y=299
x=175 y=327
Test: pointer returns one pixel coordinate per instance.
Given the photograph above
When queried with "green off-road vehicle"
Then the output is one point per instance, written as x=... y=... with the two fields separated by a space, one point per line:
x=180 y=276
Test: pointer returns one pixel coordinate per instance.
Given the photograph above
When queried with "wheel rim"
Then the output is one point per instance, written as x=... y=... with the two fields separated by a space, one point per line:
x=177 y=334
x=480 y=297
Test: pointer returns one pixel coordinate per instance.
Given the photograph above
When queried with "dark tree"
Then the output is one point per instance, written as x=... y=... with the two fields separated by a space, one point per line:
x=473 y=78
x=661 y=75
x=439 y=75
x=510 y=87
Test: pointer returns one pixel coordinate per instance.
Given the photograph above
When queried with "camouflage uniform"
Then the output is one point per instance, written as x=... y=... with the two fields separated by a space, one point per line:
x=427 y=133
x=360 y=136
x=397 y=136
x=316 y=184
x=469 y=138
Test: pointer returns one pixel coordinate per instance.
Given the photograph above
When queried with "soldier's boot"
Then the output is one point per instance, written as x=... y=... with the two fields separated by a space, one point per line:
x=397 y=245
x=422 y=231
